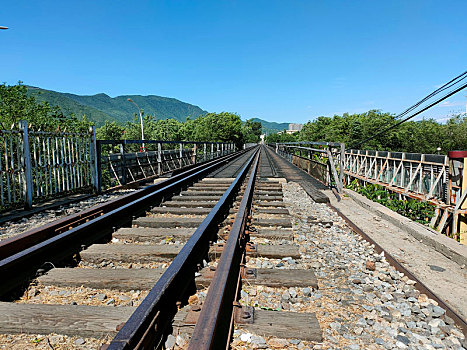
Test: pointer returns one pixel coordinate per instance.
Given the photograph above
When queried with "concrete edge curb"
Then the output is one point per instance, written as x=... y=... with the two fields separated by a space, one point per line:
x=442 y=244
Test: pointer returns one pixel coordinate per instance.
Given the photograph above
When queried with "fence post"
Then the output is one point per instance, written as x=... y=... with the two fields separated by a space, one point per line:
x=212 y=151
x=222 y=149
x=159 y=158
x=122 y=162
x=341 y=165
x=463 y=218
x=204 y=151
x=99 y=165
x=26 y=163
x=95 y=158
x=181 y=154
x=195 y=152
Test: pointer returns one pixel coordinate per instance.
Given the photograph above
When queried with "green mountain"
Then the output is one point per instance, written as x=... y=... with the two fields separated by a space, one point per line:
x=271 y=127
x=102 y=107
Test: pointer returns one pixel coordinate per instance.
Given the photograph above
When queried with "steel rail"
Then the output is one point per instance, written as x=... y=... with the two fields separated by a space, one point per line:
x=27 y=239
x=399 y=267
x=212 y=331
x=147 y=326
x=18 y=268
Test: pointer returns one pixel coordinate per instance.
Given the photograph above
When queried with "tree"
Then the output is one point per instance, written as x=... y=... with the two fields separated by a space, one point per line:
x=282 y=137
x=218 y=127
x=251 y=131
x=110 y=131
x=455 y=133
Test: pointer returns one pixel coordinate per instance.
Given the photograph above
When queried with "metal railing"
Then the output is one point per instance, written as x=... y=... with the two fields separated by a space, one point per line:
x=119 y=165
x=415 y=175
x=432 y=178
x=36 y=165
x=322 y=160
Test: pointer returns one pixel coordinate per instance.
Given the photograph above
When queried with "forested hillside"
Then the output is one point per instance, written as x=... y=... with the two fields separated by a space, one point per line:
x=101 y=107
x=16 y=104
x=271 y=127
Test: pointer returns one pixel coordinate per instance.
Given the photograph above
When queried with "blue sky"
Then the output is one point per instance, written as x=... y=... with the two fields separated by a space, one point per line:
x=284 y=61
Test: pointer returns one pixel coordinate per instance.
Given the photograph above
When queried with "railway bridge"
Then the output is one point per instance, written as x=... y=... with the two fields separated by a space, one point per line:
x=201 y=246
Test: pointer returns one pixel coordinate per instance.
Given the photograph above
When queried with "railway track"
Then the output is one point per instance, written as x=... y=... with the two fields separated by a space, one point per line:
x=183 y=274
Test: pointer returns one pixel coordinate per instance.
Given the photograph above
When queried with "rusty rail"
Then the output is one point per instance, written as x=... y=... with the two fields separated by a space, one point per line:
x=24 y=254
x=146 y=327
x=212 y=331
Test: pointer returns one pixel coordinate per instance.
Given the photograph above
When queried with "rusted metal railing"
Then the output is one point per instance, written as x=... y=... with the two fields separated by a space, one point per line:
x=416 y=175
x=436 y=179
x=322 y=160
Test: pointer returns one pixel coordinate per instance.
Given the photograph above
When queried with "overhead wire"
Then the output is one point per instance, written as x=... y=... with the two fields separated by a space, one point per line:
x=434 y=93
x=449 y=84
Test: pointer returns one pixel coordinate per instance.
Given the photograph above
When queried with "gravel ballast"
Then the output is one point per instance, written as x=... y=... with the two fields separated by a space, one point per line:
x=362 y=302
x=14 y=228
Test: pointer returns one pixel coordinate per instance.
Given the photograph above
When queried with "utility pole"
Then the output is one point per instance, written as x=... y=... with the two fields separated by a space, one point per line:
x=143 y=149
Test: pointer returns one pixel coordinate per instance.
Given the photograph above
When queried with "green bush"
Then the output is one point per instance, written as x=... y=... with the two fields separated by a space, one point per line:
x=417 y=211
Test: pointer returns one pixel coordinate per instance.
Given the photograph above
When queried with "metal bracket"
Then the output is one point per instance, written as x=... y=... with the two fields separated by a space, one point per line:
x=248 y=272
x=243 y=314
x=250 y=247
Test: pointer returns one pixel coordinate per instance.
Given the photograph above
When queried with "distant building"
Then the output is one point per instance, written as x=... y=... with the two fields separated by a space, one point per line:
x=293 y=128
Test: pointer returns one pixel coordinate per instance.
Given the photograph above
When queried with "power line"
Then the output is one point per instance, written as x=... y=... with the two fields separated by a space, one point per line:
x=415 y=114
x=442 y=88
x=446 y=86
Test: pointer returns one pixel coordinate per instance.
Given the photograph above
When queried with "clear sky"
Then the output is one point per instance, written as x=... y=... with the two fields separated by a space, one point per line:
x=284 y=61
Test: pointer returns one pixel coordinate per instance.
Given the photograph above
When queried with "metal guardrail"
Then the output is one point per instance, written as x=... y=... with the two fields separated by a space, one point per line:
x=433 y=178
x=119 y=166
x=323 y=160
x=416 y=175
x=37 y=165
x=438 y=179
